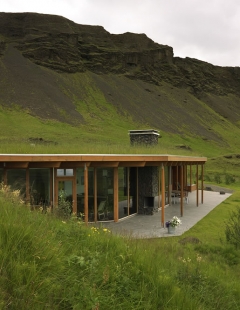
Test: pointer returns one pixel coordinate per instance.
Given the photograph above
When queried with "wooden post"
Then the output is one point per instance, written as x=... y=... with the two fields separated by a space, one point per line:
x=95 y=193
x=163 y=194
x=137 y=189
x=181 y=204
x=74 y=191
x=197 y=182
x=202 y=182
x=86 y=193
x=190 y=175
x=169 y=184
x=159 y=188
x=115 y=194
x=128 y=191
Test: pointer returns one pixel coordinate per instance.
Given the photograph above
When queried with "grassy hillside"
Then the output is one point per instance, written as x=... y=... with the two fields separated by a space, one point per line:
x=48 y=262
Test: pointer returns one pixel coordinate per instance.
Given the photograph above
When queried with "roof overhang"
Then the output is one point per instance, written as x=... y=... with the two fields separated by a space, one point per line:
x=95 y=160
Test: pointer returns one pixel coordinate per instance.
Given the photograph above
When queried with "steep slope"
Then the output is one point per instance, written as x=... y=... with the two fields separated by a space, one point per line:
x=56 y=69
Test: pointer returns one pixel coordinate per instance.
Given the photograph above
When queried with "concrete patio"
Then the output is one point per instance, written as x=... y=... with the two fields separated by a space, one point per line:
x=149 y=226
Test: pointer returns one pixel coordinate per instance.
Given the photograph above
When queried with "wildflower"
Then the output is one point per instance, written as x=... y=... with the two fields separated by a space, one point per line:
x=199 y=258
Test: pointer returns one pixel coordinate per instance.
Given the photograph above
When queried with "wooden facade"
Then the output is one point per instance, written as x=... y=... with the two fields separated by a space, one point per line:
x=95 y=179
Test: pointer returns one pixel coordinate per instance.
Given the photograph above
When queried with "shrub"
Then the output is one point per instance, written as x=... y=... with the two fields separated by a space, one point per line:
x=64 y=208
x=217 y=178
x=232 y=229
x=229 y=179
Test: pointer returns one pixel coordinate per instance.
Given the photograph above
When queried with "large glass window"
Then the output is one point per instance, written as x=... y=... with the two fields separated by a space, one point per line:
x=16 y=178
x=39 y=187
x=105 y=199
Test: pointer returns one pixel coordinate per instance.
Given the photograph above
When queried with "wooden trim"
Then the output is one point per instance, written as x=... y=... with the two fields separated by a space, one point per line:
x=16 y=165
x=115 y=194
x=104 y=164
x=132 y=164
x=44 y=164
x=95 y=159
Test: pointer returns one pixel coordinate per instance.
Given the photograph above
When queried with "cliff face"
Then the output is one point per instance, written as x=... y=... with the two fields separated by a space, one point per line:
x=60 y=44
x=56 y=69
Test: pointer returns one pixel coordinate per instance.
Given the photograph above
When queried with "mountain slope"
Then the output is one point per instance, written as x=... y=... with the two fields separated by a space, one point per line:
x=84 y=76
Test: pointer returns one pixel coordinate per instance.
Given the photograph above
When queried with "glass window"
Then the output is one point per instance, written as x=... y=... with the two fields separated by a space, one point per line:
x=39 y=183
x=16 y=178
x=105 y=194
x=64 y=172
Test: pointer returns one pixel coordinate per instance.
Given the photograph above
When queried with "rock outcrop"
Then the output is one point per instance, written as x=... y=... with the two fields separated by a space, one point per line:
x=60 y=44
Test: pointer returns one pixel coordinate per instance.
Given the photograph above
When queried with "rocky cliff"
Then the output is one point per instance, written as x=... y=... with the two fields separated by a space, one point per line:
x=60 y=44
x=52 y=67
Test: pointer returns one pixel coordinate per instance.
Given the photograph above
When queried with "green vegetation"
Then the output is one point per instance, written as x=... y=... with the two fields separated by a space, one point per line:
x=47 y=262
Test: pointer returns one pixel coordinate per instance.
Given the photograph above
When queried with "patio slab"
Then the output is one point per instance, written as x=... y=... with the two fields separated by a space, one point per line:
x=149 y=226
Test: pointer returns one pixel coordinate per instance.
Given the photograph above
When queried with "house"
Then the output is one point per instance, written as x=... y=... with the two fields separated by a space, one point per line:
x=104 y=186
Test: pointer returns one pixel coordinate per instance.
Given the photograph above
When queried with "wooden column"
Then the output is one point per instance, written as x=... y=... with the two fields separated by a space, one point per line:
x=74 y=191
x=86 y=193
x=128 y=191
x=137 y=189
x=181 y=178
x=51 y=187
x=169 y=185
x=202 y=182
x=115 y=193
x=197 y=182
x=95 y=207
x=159 y=187
x=190 y=175
x=163 y=193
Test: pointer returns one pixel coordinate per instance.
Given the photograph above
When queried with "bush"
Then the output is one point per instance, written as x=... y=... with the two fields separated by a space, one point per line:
x=217 y=178
x=64 y=208
x=232 y=230
x=229 y=179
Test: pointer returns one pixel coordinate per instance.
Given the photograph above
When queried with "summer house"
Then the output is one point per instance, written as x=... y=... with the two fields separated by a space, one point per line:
x=104 y=187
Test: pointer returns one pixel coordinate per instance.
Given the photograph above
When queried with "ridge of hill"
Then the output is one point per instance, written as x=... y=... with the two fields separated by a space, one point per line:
x=81 y=75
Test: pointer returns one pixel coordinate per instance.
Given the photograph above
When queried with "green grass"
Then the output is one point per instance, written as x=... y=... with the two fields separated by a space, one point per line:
x=50 y=263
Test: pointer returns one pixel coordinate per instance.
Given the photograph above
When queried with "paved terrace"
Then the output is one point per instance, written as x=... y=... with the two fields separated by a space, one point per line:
x=149 y=226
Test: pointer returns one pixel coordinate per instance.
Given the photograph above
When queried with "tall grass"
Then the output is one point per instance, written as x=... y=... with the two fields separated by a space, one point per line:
x=50 y=263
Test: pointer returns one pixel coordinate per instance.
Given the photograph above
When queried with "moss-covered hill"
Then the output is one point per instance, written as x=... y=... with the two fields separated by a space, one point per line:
x=60 y=80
